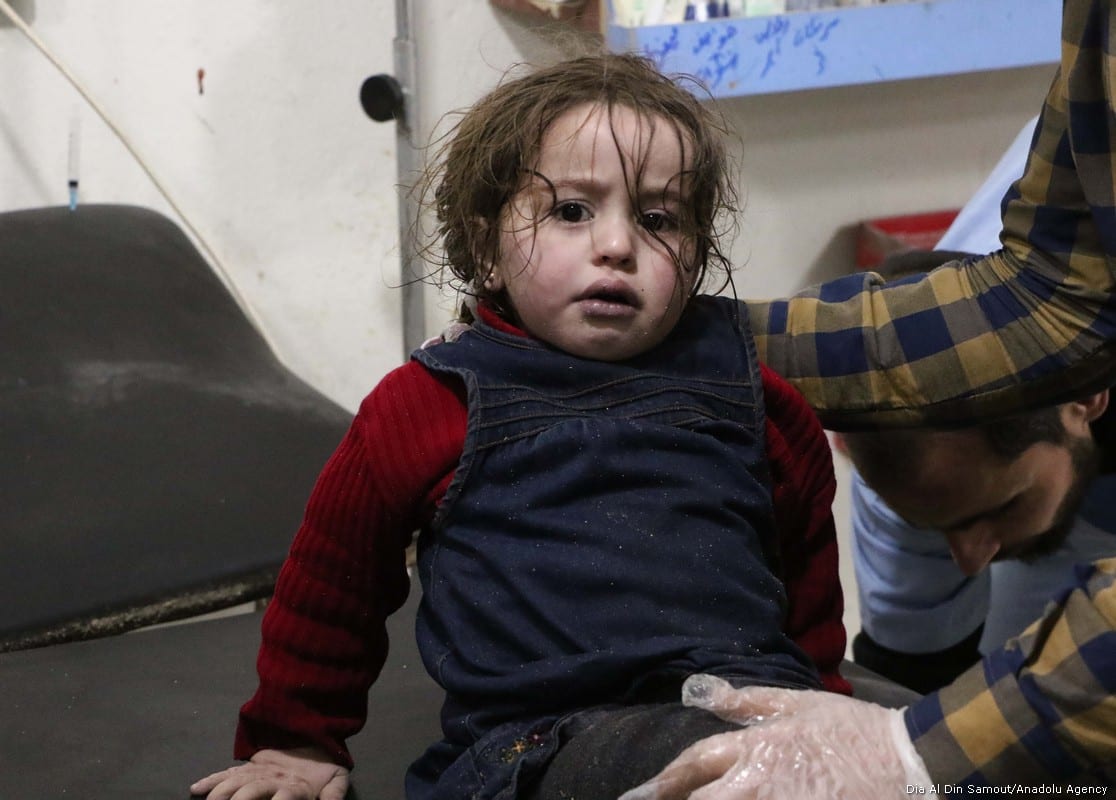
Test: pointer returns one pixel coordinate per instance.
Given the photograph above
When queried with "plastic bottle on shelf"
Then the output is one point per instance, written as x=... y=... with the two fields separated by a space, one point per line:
x=812 y=5
x=763 y=8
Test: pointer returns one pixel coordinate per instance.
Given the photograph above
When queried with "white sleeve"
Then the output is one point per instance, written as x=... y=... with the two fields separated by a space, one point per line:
x=977 y=228
x=913 y=598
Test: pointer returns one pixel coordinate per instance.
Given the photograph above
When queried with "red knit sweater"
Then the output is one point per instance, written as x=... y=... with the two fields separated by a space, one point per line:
x=324 y=640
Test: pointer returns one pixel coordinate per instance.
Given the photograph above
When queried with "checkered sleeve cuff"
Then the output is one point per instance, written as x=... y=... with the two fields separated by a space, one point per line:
x=1042 y=710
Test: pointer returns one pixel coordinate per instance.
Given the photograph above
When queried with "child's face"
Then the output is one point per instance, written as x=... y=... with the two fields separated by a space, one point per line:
x=578 y=260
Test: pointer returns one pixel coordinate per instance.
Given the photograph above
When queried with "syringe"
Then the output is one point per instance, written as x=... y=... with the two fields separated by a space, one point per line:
x=74 y=160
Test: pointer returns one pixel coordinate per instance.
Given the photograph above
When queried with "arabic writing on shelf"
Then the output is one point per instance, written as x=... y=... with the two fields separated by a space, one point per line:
x=847 y=45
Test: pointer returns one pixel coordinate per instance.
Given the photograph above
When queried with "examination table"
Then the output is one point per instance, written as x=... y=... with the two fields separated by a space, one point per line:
x=142 y=715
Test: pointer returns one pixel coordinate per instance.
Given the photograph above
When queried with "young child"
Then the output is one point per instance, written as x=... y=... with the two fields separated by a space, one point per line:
x=612 y=493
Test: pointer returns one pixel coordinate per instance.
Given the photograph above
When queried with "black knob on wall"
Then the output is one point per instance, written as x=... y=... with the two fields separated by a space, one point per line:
x=381 y=97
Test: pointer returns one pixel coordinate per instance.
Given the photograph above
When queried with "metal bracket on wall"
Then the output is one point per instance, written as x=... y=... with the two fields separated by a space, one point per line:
x=392 y=97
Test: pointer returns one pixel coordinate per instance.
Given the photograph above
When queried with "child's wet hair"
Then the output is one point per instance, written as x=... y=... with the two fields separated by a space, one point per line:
x=494 y=147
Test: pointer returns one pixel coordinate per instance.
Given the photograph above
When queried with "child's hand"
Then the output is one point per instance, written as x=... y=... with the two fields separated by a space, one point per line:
x=801 y=744
x=303 y=774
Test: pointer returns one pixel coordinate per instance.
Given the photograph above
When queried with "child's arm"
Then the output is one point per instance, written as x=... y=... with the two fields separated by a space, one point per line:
x=803 y=487
x=324 y=637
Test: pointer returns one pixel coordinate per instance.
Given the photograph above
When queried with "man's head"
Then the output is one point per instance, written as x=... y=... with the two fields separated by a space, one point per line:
x=1004 y=489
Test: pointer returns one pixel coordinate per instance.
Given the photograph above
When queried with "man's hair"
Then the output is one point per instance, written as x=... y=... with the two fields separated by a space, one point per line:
x=883 y=457
x=1009 y=437
x=492 y=150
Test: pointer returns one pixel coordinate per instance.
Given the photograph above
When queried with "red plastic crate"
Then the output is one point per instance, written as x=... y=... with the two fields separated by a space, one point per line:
x=879 y=238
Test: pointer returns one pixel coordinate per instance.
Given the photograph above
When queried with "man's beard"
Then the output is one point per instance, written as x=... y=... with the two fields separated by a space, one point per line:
x=1085 y=462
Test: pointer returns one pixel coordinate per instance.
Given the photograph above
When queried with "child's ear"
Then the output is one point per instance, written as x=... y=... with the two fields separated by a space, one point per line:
x=487 y=277
x=493 y=281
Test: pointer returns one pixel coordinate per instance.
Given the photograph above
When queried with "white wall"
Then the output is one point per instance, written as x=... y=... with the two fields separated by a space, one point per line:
x=292 y=185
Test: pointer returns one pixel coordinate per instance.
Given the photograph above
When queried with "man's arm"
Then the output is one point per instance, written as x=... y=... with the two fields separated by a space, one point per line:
x=1029 y=325
x=1041 y=708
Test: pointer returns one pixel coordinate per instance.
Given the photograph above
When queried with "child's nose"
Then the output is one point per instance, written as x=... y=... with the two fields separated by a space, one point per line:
x=613 y=239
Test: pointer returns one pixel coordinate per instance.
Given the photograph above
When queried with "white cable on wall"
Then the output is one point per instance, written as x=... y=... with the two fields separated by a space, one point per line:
x=214 y=260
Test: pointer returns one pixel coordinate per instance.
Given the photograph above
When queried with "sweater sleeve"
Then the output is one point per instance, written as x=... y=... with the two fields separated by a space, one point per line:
x=324 y=638
x=803 y=487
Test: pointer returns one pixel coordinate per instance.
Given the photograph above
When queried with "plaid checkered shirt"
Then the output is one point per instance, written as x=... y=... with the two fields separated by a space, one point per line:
x=1032 y=324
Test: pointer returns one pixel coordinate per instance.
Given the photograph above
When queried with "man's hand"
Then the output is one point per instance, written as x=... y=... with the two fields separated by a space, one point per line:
x=303 y=774
x=799 y=744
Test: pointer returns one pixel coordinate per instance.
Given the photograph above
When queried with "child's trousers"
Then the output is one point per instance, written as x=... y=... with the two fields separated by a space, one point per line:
x=610 y=751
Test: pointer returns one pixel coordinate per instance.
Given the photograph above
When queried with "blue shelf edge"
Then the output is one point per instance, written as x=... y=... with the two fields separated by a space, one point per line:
x=810 y=50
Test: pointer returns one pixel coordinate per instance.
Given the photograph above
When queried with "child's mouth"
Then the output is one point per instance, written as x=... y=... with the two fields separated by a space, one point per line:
x=610 y=299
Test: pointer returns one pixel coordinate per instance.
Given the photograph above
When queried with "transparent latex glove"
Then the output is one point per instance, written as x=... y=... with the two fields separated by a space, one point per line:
x=302 y=774
x=799 y=745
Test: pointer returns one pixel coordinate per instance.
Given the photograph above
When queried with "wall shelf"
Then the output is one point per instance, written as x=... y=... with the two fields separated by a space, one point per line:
x=810 y=50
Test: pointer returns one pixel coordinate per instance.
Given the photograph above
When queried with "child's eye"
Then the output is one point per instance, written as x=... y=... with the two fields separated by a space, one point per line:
x=657 y=221
x=571 y=211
